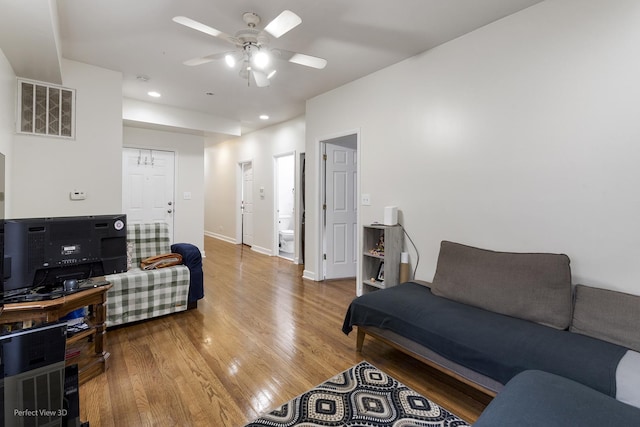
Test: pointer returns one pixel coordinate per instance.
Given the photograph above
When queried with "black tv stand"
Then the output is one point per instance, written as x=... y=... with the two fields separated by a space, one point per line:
x=37 y=294
x=92 y=359
x=44 y=293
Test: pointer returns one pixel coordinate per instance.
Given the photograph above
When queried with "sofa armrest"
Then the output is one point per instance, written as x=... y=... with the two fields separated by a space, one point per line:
x=192 y=258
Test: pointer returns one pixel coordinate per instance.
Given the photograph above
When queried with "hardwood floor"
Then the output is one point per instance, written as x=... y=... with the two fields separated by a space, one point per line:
x=261 y=336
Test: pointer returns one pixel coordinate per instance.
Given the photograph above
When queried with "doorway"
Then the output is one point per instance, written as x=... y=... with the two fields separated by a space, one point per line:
x=339 y=206
x=148 y=186
x=244 y=231
x=285 y=205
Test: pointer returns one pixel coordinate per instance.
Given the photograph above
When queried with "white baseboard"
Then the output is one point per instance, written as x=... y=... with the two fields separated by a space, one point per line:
x=306 y=274
x=220 y=237
x=261 y=250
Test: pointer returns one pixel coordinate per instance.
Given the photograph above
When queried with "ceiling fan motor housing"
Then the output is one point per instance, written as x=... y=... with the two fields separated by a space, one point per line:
x=251 y=36
x=251 y=19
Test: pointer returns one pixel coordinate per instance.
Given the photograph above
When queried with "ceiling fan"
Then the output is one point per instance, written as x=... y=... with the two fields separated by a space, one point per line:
x=252 y=46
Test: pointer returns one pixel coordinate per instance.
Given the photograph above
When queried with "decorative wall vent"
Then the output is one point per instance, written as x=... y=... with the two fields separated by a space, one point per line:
x=46 y=109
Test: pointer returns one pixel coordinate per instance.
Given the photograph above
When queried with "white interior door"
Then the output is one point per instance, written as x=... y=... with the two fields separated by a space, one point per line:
x=247 y=204
x=341 y=214
x=148 y=186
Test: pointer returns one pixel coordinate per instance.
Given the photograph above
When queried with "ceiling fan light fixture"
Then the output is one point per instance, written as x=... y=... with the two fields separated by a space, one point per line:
x=261 y=60
x=230 y=60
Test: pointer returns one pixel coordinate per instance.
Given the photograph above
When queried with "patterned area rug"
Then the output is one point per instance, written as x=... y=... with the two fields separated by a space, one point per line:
x=360 y=396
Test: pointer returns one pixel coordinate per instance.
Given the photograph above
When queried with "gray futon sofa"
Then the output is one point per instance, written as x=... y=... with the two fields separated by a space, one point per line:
x=488 y=317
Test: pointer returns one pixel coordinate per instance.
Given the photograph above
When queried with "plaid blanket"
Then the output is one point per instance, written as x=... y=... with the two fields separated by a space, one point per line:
x=139 y=294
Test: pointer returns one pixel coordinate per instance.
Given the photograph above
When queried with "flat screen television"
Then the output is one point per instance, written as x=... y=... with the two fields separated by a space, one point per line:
x=40 y=254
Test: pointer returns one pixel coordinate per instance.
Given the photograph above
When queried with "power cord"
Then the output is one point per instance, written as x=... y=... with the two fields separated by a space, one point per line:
x=414 y=247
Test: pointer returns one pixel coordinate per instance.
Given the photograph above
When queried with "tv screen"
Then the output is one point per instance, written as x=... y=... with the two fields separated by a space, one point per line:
x=41 y=253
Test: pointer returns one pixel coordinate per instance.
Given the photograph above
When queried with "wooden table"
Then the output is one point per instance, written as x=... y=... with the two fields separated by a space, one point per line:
x=86 y=348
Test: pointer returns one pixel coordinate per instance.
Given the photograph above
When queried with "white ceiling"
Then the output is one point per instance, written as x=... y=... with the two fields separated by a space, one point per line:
x=138 y=37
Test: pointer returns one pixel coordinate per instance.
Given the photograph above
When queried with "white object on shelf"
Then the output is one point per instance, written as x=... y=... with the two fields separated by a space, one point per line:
x=390 y=215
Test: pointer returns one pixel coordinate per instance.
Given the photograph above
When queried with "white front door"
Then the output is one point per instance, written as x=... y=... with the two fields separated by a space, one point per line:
x=247 y=204
x=341 y=214
x=148 y=186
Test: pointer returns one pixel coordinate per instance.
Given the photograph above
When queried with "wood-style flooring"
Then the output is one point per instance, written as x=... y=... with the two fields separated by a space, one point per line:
x=261 y=336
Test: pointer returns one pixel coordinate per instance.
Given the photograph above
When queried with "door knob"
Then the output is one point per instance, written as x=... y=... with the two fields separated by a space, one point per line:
x=169 y=210
x=170 y=203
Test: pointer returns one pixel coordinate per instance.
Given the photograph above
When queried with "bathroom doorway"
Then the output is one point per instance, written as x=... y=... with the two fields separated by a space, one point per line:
x=244 y=231
x=285 y=205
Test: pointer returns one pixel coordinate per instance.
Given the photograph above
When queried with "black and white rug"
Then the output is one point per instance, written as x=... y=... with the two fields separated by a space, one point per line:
x=360 y=396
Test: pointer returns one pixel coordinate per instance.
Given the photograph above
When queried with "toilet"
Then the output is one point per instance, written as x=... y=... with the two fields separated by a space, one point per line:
x=285 y=233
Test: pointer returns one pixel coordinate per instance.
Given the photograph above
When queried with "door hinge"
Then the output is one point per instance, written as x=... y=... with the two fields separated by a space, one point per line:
x=324 y=206
x=324 y=257
x=324 y=157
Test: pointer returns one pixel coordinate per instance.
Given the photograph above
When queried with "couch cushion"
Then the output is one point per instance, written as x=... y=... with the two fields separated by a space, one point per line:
x=530 y=286
x=535 y=398
x=608 y=315
x=148 y=240
x=143 y=294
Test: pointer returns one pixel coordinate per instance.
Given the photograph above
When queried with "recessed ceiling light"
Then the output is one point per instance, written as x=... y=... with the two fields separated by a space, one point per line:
x=264 y=117
x=154 y=94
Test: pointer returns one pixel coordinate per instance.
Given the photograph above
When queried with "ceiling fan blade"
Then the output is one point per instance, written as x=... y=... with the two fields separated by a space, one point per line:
x=204 y=59
x=261 y=78
x=283 y=23
x=198 y=26
x=300 y=58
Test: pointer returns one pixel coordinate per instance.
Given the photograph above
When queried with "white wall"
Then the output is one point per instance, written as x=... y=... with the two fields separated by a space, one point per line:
x=46 y=169
x=7 y=123
x=221 y=168
x=520 y=136
x=189 y=150
x=171 y=118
